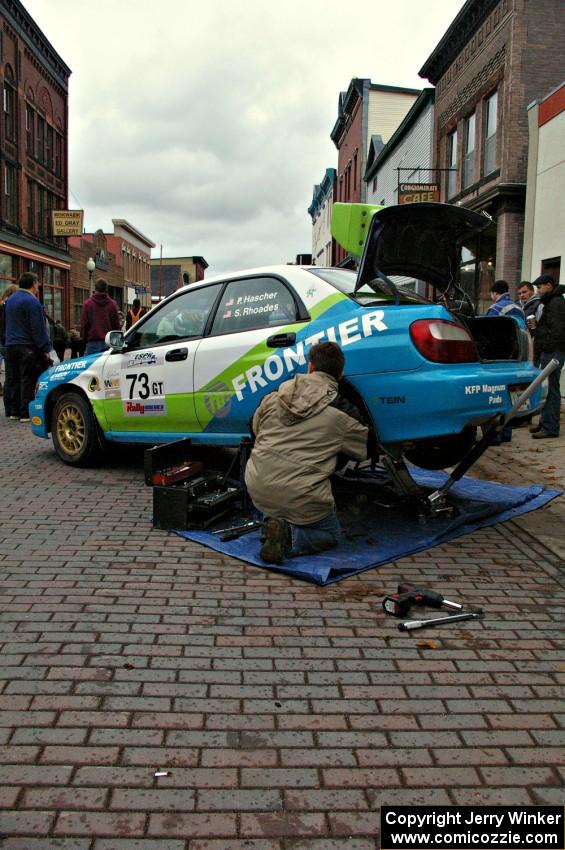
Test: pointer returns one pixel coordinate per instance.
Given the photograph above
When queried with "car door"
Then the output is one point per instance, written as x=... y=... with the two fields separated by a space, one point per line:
x=237 y=363
x=148 y=386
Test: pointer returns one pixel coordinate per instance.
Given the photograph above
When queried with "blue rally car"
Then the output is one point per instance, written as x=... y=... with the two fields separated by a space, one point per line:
x=425 y=373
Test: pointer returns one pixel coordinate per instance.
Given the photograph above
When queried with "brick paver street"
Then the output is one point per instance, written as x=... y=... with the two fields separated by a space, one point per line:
x=280 y=715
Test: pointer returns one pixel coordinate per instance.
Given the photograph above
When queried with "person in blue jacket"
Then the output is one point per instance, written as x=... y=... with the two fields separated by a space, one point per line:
x=502 y=303
x=27 y=343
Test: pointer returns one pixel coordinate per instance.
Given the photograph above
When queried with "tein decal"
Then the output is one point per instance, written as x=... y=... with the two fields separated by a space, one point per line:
x=276 y=365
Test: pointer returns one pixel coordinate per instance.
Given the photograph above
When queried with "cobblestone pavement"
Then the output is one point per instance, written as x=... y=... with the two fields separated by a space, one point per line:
x=282 y=715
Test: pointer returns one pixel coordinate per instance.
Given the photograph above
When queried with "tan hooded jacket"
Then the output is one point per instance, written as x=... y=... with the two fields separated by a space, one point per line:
x=299 y=435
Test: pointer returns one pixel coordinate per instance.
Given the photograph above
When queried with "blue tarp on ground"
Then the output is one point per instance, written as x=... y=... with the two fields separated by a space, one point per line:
x=376 y=535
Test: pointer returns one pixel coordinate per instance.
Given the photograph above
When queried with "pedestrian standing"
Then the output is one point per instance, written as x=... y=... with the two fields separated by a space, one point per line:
x=60 y=339
x=135 y=313
x=27 y=343
x=530 y=303
x=7 y=390
x=502 y=303
x=549 y=344
x=99 y=315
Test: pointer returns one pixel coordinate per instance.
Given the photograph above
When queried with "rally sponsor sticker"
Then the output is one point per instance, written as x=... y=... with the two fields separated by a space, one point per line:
x=139 y=407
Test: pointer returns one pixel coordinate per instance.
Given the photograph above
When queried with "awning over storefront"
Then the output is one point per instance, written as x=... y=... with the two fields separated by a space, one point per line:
x=50 y=258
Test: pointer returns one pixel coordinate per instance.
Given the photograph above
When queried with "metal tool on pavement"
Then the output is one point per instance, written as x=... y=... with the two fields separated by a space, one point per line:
x=399 y=604
x=234 y=531
x=410 y=625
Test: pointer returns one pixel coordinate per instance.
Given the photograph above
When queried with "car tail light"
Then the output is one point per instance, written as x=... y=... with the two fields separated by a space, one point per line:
x=443 y=342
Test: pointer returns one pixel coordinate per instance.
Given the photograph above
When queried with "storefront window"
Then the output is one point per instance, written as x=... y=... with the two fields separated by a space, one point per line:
x=52 y=292
x=79 y=297
x=6 y=272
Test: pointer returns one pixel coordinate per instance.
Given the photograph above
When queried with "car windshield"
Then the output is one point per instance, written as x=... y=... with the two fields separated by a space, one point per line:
x=377 y=292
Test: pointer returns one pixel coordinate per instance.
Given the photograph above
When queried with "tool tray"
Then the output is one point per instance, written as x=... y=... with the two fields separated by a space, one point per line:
x=185 y=494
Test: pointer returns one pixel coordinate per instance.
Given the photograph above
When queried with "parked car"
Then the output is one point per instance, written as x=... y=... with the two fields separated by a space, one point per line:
x=198 y=364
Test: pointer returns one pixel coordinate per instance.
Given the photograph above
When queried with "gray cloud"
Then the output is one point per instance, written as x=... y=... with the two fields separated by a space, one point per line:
x=206 y=125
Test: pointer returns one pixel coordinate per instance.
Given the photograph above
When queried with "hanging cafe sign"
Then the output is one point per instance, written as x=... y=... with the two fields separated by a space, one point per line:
x=412 y=193
x=67 y=222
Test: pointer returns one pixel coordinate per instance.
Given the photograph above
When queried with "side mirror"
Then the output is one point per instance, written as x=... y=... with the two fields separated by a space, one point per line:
x=114 y=340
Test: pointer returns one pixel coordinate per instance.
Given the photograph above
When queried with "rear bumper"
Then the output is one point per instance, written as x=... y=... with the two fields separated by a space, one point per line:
x=438 y=400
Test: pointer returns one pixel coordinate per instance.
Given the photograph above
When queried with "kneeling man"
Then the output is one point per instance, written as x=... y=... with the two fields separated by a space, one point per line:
x=299 y=432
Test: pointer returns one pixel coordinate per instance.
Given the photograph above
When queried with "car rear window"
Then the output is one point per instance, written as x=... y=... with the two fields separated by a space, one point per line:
x=344 y=280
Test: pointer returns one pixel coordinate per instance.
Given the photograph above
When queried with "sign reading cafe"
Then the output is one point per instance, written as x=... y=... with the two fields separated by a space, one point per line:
x=412 y=193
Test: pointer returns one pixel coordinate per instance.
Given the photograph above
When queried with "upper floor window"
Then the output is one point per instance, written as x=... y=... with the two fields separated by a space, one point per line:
x=452 y=164
x=10 y=194
x=491 y=123
x=9 y=110
x=30 y=206
x=49 y=148
x=30 y=130
x=40 y=145
x=58 y=154
x=469 y=158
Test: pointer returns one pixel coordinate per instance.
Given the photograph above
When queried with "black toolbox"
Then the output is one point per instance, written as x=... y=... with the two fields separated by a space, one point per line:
x=185 y=494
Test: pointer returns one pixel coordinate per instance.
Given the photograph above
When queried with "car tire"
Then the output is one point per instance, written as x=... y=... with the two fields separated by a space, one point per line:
x=75 y=432
x=441 y=452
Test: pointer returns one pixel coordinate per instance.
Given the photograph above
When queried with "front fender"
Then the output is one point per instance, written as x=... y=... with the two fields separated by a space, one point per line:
x=81 y=376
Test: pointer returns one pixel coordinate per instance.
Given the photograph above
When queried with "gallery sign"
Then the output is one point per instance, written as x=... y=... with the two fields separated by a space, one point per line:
x=412 y=193
x=67 y=222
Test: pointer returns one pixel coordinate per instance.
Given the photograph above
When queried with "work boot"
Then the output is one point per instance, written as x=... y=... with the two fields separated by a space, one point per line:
x=543 y=435
x=534 y=429
x=275 y=541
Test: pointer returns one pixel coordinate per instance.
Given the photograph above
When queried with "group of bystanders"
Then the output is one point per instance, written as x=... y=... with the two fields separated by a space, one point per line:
x=28 y=338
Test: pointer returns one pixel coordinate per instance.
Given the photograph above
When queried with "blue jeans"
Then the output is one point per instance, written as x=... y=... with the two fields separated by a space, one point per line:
x=549 y=419
x=95 y=346
x=317 y=537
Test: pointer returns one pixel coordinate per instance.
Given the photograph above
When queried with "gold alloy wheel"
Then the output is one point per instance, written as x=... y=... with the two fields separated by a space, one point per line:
x=71 y=428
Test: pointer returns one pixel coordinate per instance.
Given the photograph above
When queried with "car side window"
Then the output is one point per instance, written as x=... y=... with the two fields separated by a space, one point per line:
x=257 y=302
x=182 y=318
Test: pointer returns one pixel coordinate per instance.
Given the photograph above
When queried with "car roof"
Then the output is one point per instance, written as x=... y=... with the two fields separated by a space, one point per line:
x=288 y=271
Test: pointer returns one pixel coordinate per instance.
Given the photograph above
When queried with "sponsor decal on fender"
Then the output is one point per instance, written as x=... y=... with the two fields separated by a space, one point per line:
x=144 y=408
x=274 y=367
x=94 y=385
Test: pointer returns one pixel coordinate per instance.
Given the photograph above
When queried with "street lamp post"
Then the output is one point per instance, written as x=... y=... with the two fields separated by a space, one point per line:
x=90 y=266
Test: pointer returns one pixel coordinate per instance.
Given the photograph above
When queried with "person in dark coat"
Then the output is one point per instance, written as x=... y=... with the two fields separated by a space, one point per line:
x=549 y=344
x=99 y=315
x=529 y=302
x=27 y=343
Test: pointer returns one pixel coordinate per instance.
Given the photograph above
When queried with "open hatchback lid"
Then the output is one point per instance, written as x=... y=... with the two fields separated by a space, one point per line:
x=422 y=240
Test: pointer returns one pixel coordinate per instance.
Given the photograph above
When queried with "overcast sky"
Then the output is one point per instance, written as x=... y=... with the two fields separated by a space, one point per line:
x=206 y=124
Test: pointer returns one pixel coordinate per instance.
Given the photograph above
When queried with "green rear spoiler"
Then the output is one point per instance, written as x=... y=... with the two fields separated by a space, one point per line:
x=350 y=225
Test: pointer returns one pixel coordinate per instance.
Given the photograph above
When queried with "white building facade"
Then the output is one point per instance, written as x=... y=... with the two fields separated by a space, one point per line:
x=410 y=148
x=544 y=225
x=320 y=211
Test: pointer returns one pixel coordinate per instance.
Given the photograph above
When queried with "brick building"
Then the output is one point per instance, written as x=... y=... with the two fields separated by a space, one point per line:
x=33 y=161
x=170 y=273
x=364 y=110
x=122 y=258
x=495 y=58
